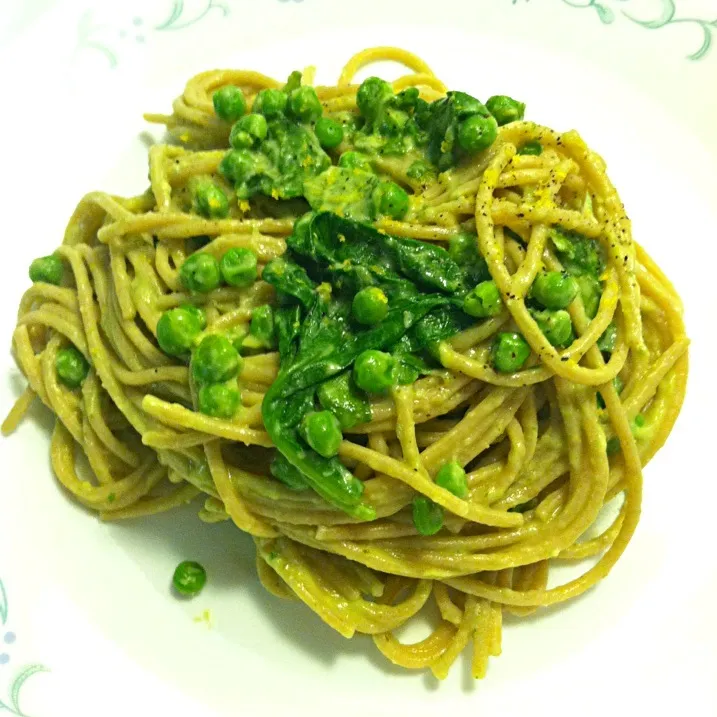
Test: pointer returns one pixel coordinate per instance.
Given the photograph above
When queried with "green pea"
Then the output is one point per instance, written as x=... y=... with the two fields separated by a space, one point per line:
x=48 y=269
x=427 y=515
x=452 y=477
x=239 y=139
x=477 y=133
x=304 y=104
x=370 y=306
x=237 y=165
x=373 y=371
x=288 y=474
x=254 y=125
x=200 y=272
x=270 y=103
x=262 y=325
x=465 y=105
x=483 y=301
x=505 y=109
x=355 y=160
x=219 y=400
x=637 y=425
x=215 y=360
x=322 y=431
x=391 y=200
x=532 y=147
x=554 y=289
x=509 y=351
x=197 y=313
x=238 y=267
x=329 y=132
x=608 y=340
x=372 y=95
x=177 y=329
x=229 y=103
x=71 y=366
x=556 y=326
x=189 y=578
x=209 y=200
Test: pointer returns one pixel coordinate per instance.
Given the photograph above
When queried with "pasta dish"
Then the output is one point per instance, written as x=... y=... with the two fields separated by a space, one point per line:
x=401 y=337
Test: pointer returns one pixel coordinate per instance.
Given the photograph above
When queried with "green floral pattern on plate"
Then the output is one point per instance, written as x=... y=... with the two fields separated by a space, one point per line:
x=176 y=20
x=11 y=703
x=102 y=39
x=666 y=17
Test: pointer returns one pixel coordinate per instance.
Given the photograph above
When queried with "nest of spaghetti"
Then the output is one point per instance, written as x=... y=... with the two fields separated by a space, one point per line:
x=515 y=360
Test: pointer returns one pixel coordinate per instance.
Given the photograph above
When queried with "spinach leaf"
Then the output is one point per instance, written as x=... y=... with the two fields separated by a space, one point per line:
x=390 y=122
x=409 y=368
x=439 y=325
x=287 y=322
x=366 y=256
x=334 y=345
x=463 y=249
x=293 y=83
x=319 y=340
x=442 y=126
x=279 y=166
x=290 y=278
x=428 y=265
x=582 y=258
x=578 y=254
x=349 y=191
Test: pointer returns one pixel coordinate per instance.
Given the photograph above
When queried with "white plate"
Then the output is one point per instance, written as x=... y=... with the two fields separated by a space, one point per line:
x=90 y=603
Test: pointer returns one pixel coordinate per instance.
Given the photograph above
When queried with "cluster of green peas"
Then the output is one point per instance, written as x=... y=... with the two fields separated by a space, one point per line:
x=477 y=132
x=553 y=290
x=71 y=366
x=374 y=371
x=427 y=515
x=215 y=358
x=303 y=105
